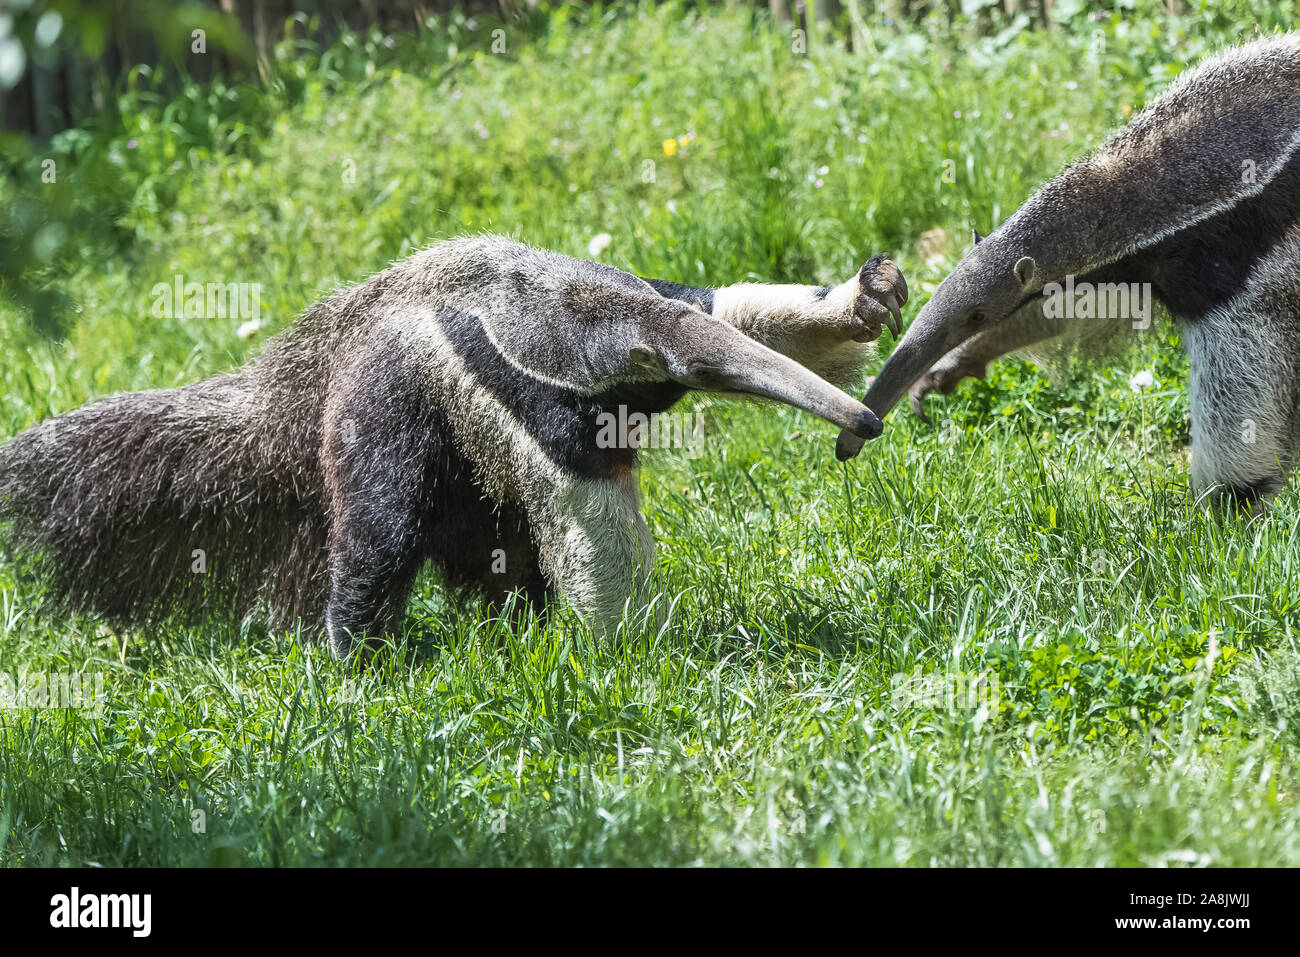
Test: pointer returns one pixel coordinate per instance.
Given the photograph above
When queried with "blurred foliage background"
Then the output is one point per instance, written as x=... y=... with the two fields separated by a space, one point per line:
x=116 y=102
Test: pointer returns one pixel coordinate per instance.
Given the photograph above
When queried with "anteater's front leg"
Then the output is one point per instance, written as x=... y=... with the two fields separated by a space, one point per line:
x=824 y=328
x=595 y=548
x=1026 y=327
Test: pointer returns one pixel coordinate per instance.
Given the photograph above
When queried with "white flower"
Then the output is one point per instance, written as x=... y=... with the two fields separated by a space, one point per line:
x=599 y=243
x=1142 y=380
x=247 y=330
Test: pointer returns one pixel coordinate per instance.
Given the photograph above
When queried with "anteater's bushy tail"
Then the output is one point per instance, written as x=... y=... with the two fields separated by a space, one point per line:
x=177 y=504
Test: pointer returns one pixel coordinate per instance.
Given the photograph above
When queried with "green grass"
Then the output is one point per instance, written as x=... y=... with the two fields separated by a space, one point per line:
x=1043 y=539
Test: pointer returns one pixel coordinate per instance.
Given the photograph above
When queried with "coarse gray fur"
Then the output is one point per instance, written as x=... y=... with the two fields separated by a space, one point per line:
x=441 y=411
x=1199 y=197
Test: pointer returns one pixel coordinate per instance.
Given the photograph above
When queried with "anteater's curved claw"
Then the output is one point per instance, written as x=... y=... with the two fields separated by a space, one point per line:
x=895 y=315
x=918 y=406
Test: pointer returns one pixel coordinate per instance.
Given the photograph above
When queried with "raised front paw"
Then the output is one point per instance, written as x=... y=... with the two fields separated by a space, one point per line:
x=882 y=291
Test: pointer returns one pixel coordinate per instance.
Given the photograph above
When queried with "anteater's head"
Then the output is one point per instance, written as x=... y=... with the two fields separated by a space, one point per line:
x=989 y=286
x=685 y=345
x=623 y=336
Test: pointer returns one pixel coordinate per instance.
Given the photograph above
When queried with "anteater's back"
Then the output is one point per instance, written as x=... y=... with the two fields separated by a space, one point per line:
x=1217 y=137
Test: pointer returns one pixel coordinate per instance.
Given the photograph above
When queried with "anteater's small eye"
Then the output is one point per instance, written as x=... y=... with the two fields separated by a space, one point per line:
x=976 y=317
x=702 y=370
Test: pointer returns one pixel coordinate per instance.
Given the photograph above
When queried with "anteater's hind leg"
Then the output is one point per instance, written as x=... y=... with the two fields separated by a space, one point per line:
x=377 y=545
x=1243 y=398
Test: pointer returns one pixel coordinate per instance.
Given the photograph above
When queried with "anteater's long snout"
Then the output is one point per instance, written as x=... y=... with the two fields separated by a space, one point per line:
x=725 y=360
x=773 y=376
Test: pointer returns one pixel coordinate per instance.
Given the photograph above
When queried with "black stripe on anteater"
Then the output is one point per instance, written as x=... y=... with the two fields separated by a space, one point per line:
x=687 y=294
x=1201 y=268
x=561 y=421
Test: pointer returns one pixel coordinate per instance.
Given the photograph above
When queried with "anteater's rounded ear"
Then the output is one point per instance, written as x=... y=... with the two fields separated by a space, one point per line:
x=1025 y=270
x=976 y=238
